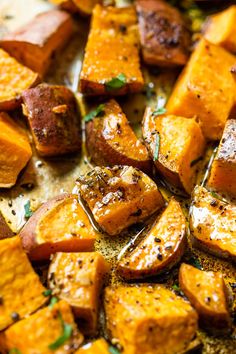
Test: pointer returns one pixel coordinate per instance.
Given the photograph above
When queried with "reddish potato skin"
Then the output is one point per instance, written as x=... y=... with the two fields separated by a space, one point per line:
x=5 y=230
x=54 y=133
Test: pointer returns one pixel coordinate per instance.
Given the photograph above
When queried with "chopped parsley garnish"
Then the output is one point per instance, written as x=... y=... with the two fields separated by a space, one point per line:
x=99 y=111
x=53 y=301
x=47 y=292
x=195 y=262
x=159 y=111
x=116 y=83
x=176 y=287
x=67 y=331
x=194 y=162
x=215 y=195
x=28 y=211
x=14 y=351
x=113 y=350
x=157 y=147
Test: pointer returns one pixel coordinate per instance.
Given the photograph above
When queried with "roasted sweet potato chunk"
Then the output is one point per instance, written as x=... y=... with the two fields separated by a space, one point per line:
x=59 y=225
x=161 y=248
x=35 y=44
x=165 y=38
x=111 y=141
x=5 y=230
x=212 y=223
x=77 y=278
x=207 y=293
x=223 y=169
x=53 y=118
x=146 y=319
x=99 y=346
x=206 y=89
x=85 y=7
x=15 y=151
x=119 y=197
x=111 y=63
x=40 y=333
x=220 y=29
x=176 y=145
x=20 y=287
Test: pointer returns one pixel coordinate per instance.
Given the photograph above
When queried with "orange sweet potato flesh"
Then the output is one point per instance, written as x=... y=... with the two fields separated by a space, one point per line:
x=119 y=196
x=161 y=248
x=82 y=289
x=206 y=89
x=212 y=223
x=135 y=313
x=14 y=79
x=15 y=151
x=59 y=225
x=181 y=146
x=84 y=7
x=112 y=49
x=53 y=119
x=111 y=141
x=223 y=170
x=207 y=293
x=99 y=346
x=35 y=44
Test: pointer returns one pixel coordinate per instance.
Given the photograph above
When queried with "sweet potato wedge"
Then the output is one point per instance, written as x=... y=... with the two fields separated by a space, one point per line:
x=78 y=278
x=220 y=29
x=5 y=230
x=135 y=313
x=99 y=346
x=84 y=7
x=207 y=293
x=111 y=64
x=40 y=332
x=35 y=44
x=165 y=38
x=212 y=223
x=53 y=119
x=20 y=288
x=176 y=145
x=206 y=89
x=119 y=197
x=161 y=248
x=223 y=170
x=111 y=141
x=14 y=79
x=15 y=151
x=59 y=225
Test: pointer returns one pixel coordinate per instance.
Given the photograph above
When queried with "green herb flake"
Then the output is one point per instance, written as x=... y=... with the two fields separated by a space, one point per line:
x=113 y=350
x=97 y=112
x=28 y=211
x=216 y=196
x=14 y=351
x=157 y=147
x=195 y=263
x=47 y=292
x=176 y=287
x=116 y=83
x=159 y=111
x=67 y=331
x=53 y=301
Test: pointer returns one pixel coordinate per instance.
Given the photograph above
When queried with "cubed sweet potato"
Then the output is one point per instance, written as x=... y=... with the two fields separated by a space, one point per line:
x=15 y=151
x=59 y=225
x=99 y=346
x=119 y=197
x=78 y=278
x=176 y=145
x=50 y=330
x=111 y=63
x=220 y=29
x=146 y=319
x=206 y=89
x=14 y=79
x=35 y=44
x=165 y=38
x=223 y=170
x=21 y=292
x=212 y=223
x=111 y=141
x=53 y=118
x=161 y=248
x=5 y=230
x=207 y=293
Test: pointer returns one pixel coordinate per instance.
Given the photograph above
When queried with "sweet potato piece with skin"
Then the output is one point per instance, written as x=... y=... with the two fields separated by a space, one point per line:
x=212 y=223
x=36 y=333
x=181 y=145
x=35 y=44
x=161 y=249
x=165 y=38
x=77 y=278
x=15 y=151
x=99 y=346
x=112 y=50
x=206 y=89
x=207 y=293
x=84 y=7
x=53 y=119
x=223 y=170
x=59 y=225
x=110 y=140
x=119 y=197
x=20 y=287
x=149 y=319
x=5 y=230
